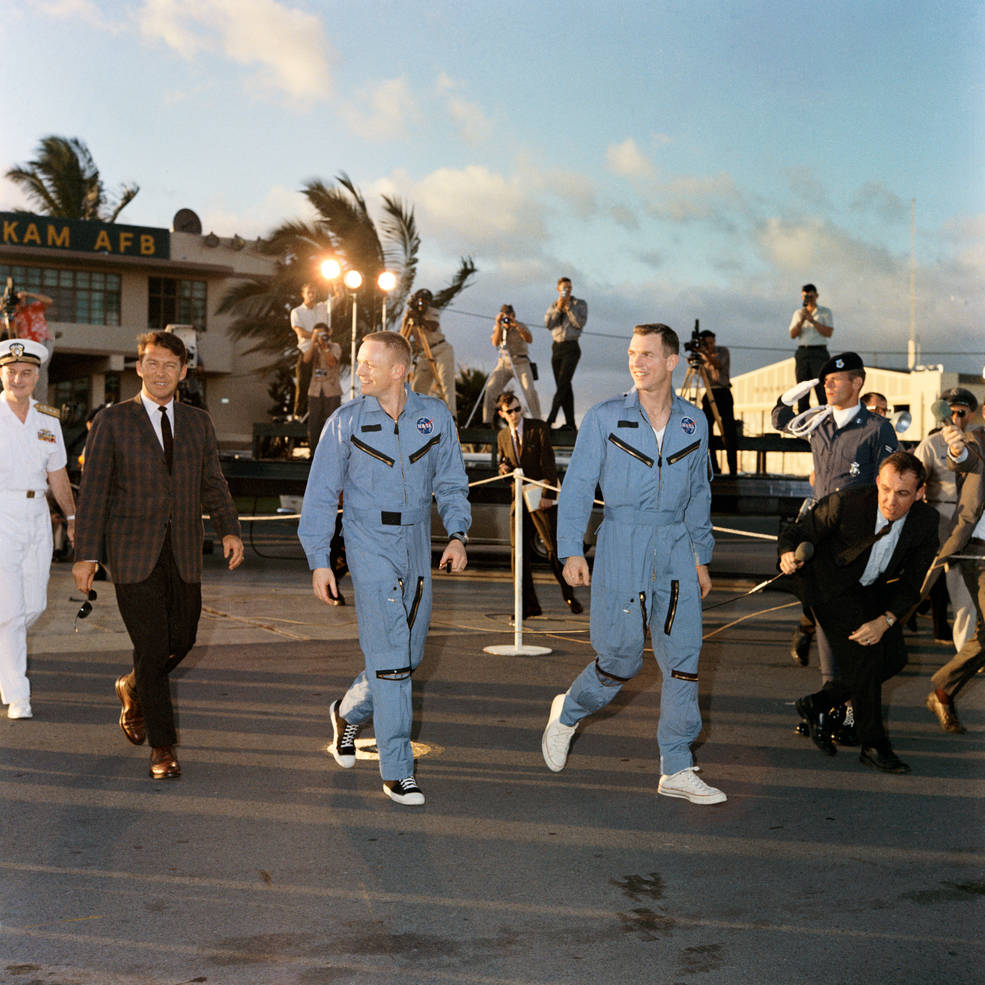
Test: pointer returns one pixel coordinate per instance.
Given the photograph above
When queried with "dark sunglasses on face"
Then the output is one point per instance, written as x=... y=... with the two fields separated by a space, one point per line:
x=958 y=413
x=513 y=410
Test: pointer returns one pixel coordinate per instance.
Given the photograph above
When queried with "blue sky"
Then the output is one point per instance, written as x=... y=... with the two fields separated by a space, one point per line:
x=677 y=160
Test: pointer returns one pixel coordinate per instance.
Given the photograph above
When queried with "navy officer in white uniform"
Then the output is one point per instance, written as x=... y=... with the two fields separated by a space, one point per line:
x=32 y=456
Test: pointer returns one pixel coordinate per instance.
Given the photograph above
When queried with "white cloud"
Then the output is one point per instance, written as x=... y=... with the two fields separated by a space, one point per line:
x=286 y=44
x=278 y=204
x=876 y=199
x=690 y=197
x=477 y=206
x=388 y=112
x=84 y=10
x=628 y=161
x=474 y=125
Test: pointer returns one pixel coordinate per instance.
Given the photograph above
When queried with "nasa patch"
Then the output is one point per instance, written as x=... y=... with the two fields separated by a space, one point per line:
x=687 y=425
x=425 y=425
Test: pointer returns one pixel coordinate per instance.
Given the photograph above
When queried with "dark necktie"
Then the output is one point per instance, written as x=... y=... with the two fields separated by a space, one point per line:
x=857 y=549
x=168 y=437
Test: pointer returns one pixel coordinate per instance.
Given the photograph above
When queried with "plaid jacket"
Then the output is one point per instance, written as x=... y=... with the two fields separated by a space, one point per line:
x=127 y=498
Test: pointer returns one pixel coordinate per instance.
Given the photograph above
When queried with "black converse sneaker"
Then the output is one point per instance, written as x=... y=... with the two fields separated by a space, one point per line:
x=343 y=744
x=405 y=791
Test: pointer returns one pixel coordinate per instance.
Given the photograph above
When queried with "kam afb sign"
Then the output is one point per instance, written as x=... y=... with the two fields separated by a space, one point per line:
x=104 y=238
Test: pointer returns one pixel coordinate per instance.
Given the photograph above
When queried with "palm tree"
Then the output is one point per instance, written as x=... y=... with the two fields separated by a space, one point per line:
x=63 y=181
x=344 y=229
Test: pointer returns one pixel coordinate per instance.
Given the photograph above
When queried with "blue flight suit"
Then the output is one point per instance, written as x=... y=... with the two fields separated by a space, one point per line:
x=387 y=471
x=656 y=527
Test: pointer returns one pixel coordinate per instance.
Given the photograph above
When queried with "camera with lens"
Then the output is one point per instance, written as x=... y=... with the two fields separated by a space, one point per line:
x=695 y=344
x=417 y=306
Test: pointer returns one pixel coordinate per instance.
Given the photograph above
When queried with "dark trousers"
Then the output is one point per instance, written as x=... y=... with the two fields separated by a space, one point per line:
x=161 y=616
x=730 y=434
x=861 y=669
x=320 y=409
x=542 y=523
x=302 y=380
x=807 y=363
x=564 y=359
x=965 y=663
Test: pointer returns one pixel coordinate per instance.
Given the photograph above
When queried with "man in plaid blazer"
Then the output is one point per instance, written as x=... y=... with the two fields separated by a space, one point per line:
x=151 y=465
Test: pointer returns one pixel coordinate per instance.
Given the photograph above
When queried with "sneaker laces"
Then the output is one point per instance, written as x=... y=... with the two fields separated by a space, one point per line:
x=349 y=733
x=407 y=785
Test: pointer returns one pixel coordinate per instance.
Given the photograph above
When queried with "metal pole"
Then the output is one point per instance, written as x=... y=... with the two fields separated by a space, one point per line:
x=352 y=354
x=518 y=556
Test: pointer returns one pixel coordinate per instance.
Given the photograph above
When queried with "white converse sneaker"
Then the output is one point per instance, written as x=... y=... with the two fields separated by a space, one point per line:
x=557 y=737
x=405 y=791
x=21 y=709
x=690 y=786
x=343 y=744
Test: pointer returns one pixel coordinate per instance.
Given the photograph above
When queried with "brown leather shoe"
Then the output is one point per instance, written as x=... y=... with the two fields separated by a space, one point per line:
x=131 y=717
x=946 y=715
x=164 y=763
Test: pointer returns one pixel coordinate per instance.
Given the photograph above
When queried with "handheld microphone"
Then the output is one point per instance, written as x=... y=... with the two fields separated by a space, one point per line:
x=804 y=552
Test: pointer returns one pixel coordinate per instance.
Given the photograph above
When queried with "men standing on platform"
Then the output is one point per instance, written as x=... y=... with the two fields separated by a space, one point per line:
x=525 y=443
x=151 y=466
x=811 y=325
x=565 y=319
x=648 y=451
x=872 y=547
x=304 y=318
x=511 y=338
x=434 y=356
x=32 y=458
x=717 y=365
x=387 y=451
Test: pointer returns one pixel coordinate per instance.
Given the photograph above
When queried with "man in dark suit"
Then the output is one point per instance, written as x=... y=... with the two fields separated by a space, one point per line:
x=872 y=548
x=151 y=464
x=526 y=443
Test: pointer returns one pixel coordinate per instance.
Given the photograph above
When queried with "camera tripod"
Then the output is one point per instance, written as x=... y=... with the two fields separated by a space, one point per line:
x=695 y=378
x=413 y=331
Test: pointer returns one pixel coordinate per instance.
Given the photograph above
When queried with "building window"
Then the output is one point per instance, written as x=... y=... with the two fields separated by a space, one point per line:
x=84 y=297
x=171 y=301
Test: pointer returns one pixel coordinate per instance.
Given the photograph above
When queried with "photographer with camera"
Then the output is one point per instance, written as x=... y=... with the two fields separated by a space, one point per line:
x=304 y=318
x=717 y=365
x=27 y=321
x=434 y=374
x=325 y=390
x=811 y=325
x=565 y=319
x=510 y=337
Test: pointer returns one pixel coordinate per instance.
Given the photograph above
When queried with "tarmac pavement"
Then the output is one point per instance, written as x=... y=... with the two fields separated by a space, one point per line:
x=266 y=864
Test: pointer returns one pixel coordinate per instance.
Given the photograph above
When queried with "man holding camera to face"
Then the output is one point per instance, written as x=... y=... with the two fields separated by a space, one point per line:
x=717 y=365
x=565 y=319
x=811 y=325
x=434 y=357
x=511 y=338
x=324 y=391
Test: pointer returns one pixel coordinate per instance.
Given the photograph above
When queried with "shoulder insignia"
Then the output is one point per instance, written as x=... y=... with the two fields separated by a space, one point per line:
x=49 y=410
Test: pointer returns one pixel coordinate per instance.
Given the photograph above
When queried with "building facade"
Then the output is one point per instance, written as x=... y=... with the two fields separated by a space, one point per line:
x=111 y=282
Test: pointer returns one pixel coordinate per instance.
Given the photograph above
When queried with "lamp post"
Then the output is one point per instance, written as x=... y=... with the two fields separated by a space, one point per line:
x=330 y=270
x=353 y=280
x=386 y=282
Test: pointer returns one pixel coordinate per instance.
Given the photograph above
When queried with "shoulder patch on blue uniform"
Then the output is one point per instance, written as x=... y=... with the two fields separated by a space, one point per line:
x=425 y=425
x=687 y=425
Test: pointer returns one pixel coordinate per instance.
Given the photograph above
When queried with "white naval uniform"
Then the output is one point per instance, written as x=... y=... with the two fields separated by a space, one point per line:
x=28 y=452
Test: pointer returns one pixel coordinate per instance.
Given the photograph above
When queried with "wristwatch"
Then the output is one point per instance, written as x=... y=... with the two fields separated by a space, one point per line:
x=890 y=619
x=458 y=535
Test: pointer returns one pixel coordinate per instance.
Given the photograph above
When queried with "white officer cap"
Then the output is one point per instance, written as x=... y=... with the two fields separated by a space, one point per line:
x=22 y=351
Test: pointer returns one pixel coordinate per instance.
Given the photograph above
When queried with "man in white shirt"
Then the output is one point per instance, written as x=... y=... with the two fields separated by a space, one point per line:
x=811 y=325
x=32 y=457
x=304 y=318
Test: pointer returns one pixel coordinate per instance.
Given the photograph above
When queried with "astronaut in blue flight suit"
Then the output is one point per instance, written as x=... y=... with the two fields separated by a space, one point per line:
x=648 y=451
x=387 y=451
